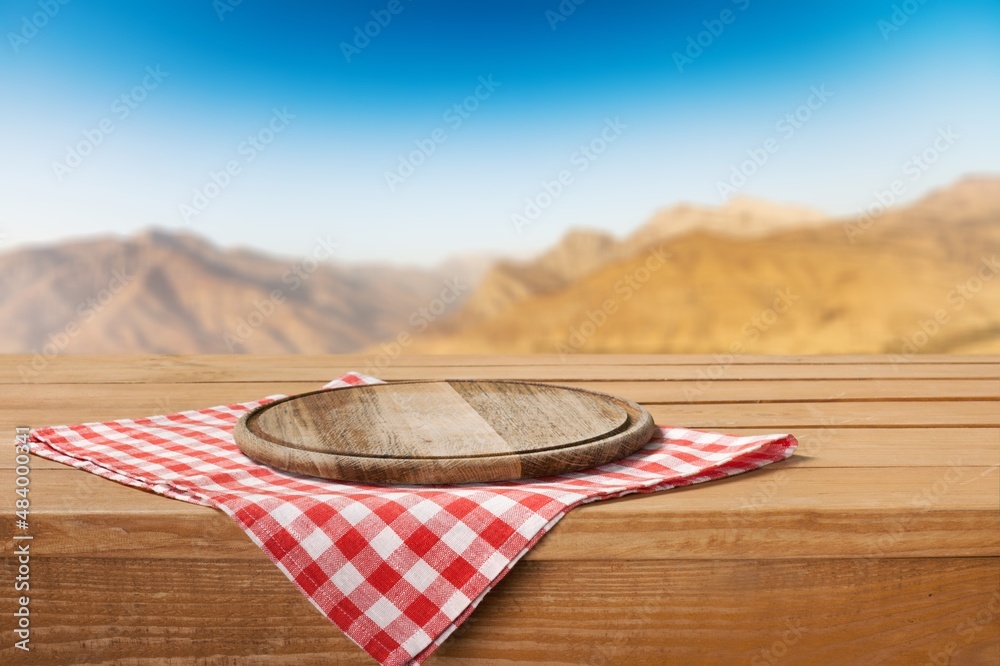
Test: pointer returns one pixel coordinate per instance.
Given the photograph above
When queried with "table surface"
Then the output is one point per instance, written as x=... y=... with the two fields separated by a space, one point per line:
x=899 y=460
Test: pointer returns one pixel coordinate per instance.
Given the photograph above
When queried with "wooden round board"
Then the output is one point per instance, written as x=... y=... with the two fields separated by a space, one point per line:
x=443 y=431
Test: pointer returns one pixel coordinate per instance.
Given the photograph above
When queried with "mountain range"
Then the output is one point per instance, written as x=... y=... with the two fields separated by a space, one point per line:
x=749 y=276
x=753 y=277
x=163 y=292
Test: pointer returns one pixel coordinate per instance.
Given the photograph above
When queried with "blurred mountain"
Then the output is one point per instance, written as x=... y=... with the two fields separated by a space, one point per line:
x=177 y=293
x=753 y=277
x=582 y=251
x=748 y=276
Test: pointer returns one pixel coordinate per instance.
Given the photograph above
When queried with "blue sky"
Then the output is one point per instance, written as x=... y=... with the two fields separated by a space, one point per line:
x=305 y=135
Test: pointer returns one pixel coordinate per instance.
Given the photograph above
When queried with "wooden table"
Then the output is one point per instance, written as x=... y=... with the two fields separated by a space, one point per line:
x=877 y=543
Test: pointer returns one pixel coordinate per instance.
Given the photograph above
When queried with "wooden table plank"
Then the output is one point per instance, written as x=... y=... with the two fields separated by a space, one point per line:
x=946 y=511
x=10 y=362
x=821 y=447
x=779 y=417
x=786 y=416
x=895 y=611
x=178 y=395
x=98 y=369
x=881 y=536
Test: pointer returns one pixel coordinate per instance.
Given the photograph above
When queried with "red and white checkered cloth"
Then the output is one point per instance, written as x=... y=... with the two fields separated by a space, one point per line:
x=396 y=568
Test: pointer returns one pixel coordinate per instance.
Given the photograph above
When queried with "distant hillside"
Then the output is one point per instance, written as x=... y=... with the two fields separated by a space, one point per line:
x=581 y=251
x=849 y=286
x=177 y=293
x=750 y=276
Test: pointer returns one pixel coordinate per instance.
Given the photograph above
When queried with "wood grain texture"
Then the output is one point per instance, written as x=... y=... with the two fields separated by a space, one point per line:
x=819 y=447
x=224 y=613
x=725 y=416
x=845 y=513
x=443 y=432
x=187 y=395
x=881 y=536
x=103 y=369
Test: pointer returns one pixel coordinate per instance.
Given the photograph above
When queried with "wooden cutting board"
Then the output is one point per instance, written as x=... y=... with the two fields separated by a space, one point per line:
x=443 y=431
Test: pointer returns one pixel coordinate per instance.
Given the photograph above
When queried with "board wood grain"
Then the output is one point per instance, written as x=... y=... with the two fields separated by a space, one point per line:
x=103 y=369
x=443 y=432
x=880 y=537
x=769 y=612
x=832 y=512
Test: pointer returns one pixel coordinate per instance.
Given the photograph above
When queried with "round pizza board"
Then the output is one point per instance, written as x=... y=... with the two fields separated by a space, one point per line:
x=443 y=431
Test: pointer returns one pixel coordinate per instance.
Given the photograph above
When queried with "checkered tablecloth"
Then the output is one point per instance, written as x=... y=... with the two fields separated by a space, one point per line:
x=396 y=568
